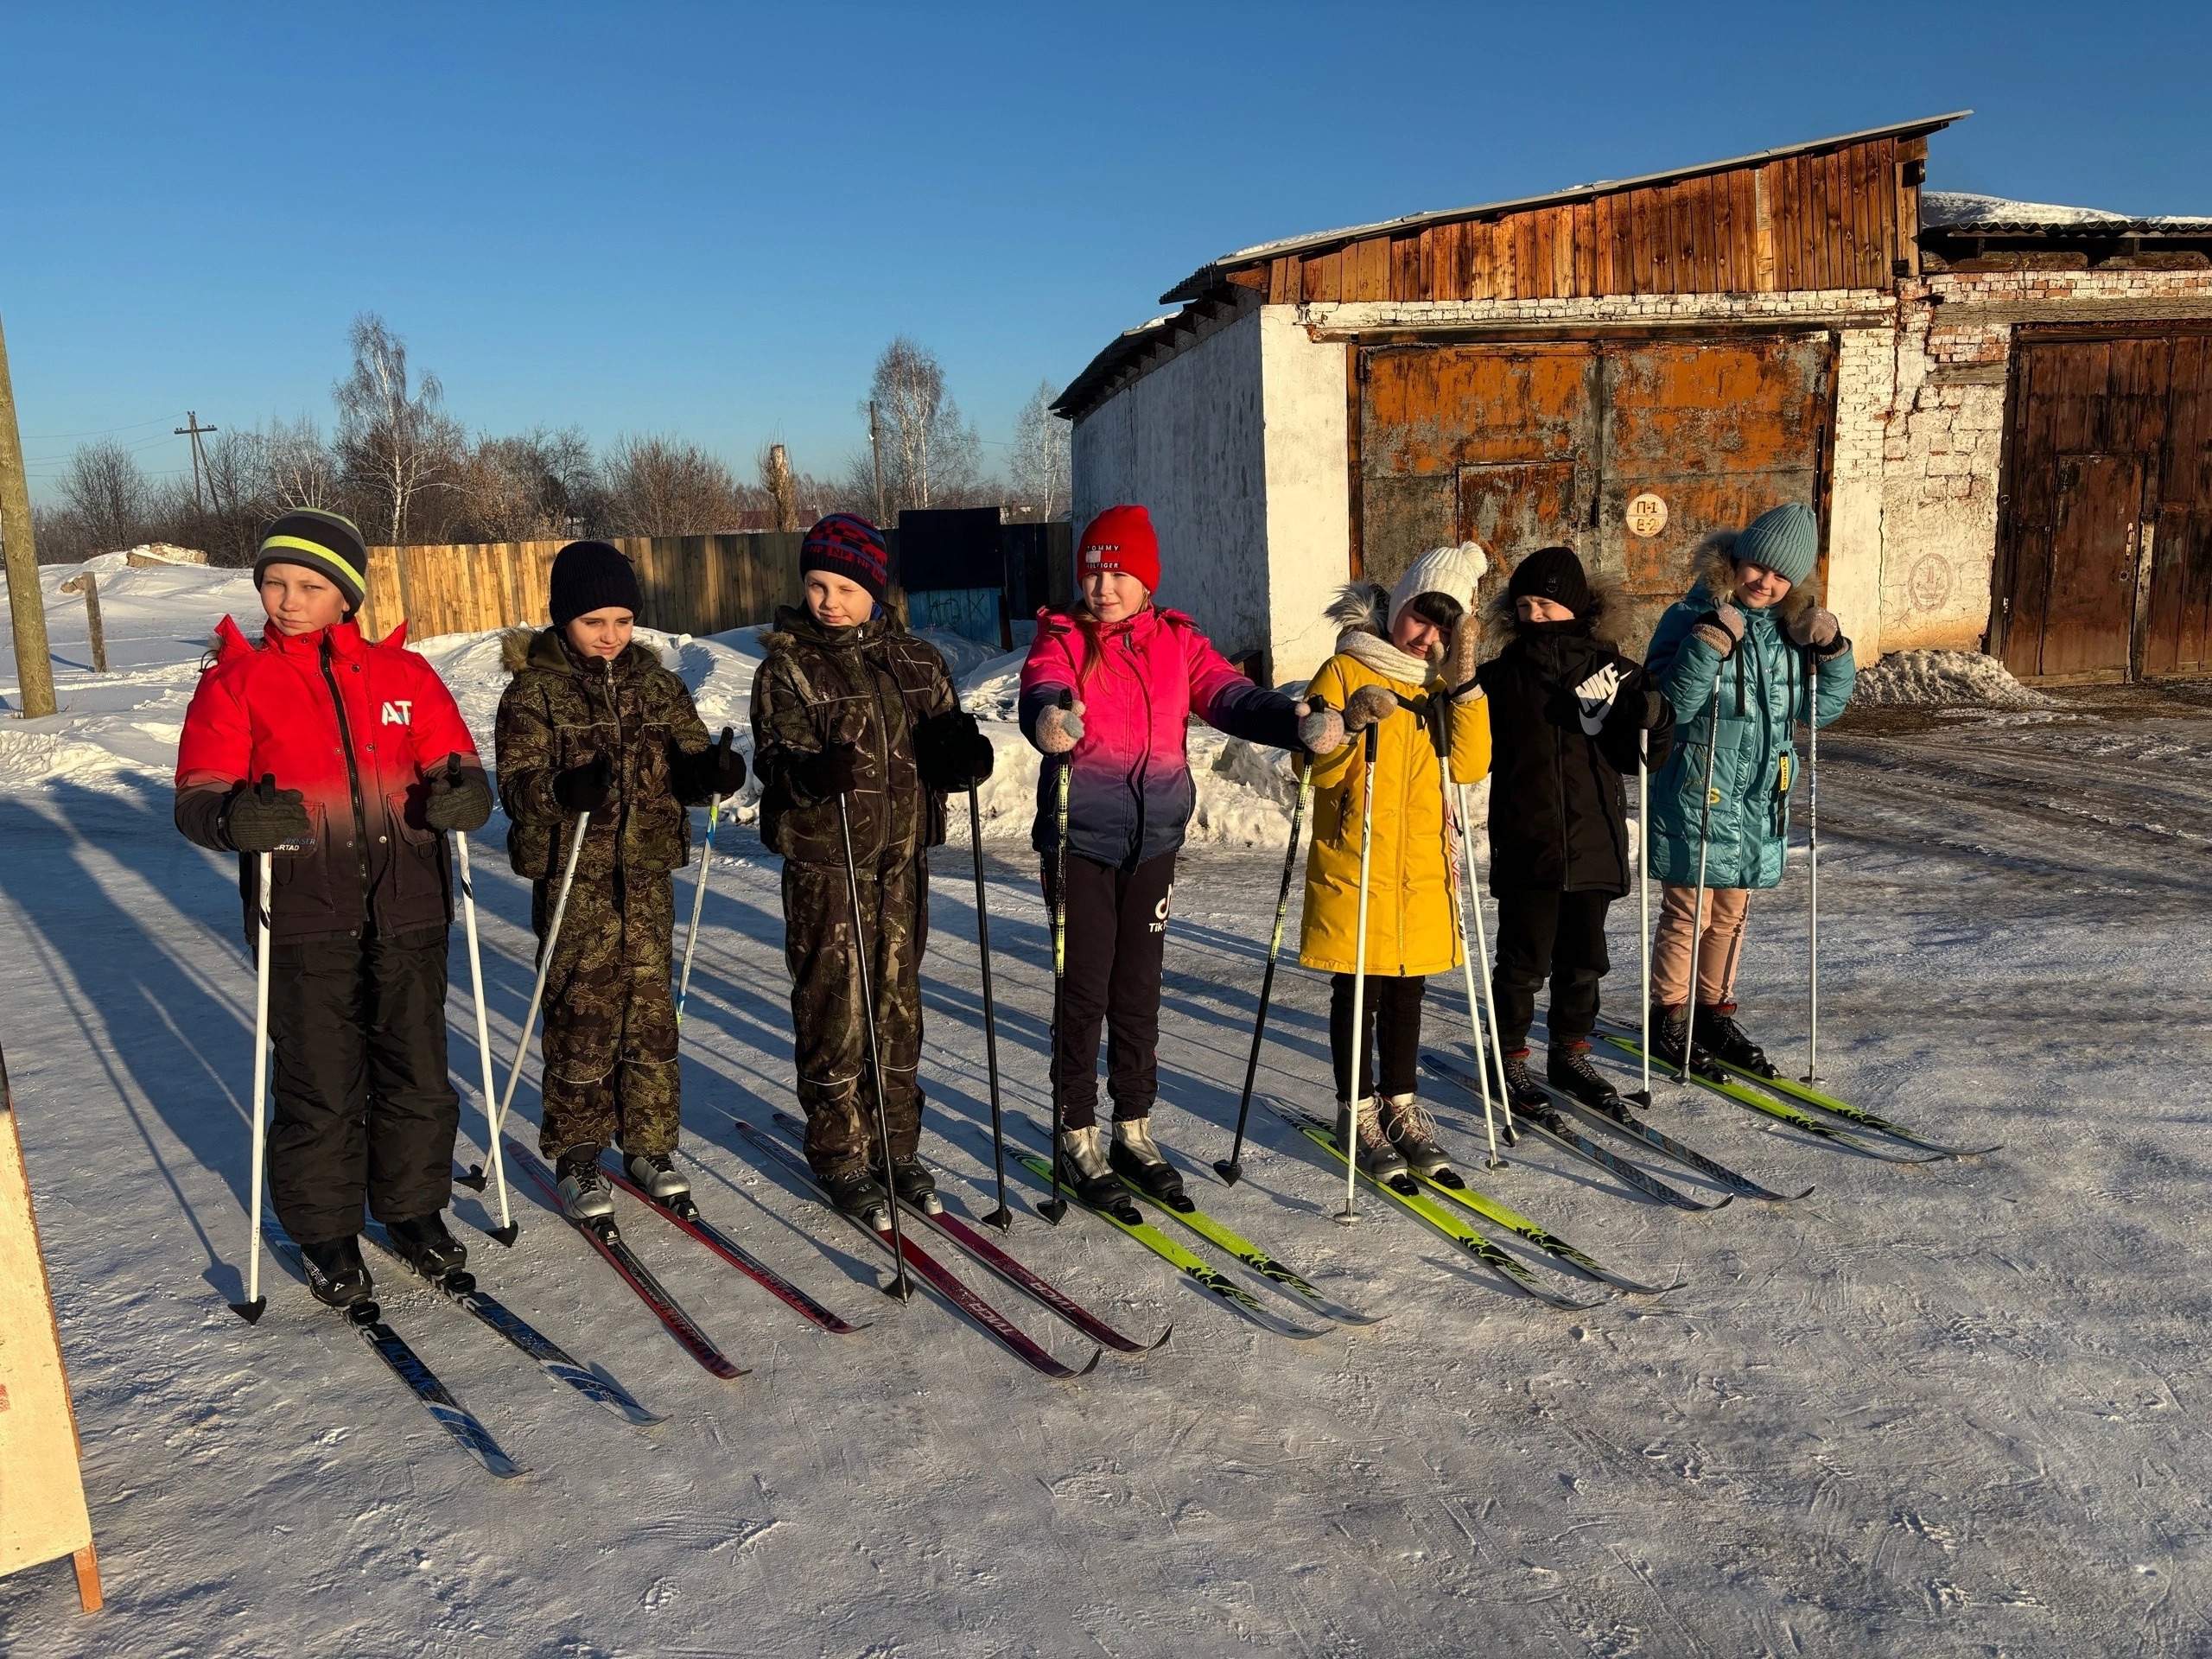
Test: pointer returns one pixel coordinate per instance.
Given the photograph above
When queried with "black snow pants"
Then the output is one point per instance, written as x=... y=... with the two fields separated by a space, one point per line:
x=364 y=1108
x=1116 y=933
x=1390 y=1009
x=1560 y=936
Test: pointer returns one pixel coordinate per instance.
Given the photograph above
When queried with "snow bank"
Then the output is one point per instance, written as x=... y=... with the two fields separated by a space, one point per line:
x=1941 y=679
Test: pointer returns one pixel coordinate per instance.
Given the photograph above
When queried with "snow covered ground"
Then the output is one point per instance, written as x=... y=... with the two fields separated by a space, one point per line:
x=1926 y=1410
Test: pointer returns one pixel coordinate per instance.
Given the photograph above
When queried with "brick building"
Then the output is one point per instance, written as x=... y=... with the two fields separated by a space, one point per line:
x=1993 y=407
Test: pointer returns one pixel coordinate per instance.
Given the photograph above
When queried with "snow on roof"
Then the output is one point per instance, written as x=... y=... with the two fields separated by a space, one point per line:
x=1962 y=210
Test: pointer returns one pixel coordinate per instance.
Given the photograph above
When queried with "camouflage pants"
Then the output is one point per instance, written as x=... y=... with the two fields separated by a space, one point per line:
x=610 y=1019
x=834 y=1088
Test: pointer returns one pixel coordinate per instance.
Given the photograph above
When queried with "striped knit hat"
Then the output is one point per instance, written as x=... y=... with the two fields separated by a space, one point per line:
x=847 y=545
x=324 y=543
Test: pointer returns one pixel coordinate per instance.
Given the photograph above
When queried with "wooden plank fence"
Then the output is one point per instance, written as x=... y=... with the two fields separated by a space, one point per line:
x=693 y=584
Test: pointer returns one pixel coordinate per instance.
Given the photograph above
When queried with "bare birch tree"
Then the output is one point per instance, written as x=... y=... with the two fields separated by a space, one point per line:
x=394 y=440
x=1042 y=460
x=931 y=457
x=664 y=487
x=109 y=493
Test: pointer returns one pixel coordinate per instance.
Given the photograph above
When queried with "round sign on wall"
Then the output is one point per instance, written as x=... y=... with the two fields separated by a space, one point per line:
x=1647 y=515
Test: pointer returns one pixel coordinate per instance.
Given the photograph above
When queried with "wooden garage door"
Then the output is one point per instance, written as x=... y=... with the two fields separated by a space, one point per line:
x=2105 y=566
x=1523 y=444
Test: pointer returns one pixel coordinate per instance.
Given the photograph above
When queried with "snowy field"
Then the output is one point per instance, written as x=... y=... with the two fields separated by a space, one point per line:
x=1933 y=1410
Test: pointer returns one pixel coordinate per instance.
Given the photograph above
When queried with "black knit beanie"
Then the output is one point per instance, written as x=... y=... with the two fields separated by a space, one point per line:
x=591 y=576
x=1552 y=573
x=324 y=543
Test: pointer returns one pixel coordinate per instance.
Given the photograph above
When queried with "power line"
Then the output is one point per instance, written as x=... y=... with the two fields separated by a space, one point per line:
x=98 y=431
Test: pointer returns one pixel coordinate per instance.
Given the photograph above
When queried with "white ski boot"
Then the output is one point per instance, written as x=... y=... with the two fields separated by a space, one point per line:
x=657 y=1176
x=1136 y=1156
x=583 y=1186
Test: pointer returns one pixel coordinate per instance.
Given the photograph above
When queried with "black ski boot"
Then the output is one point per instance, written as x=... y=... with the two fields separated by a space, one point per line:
x=1568 y=1066
x=1136 y=1156
x=1528 y=1098
x=1362 y=1131
x=424 y=1244
x=912 y=1180
x=1719 y=1036
x=1087 y=1169
x=336 y=1273
x=1668 y=1029
x=860 y=1194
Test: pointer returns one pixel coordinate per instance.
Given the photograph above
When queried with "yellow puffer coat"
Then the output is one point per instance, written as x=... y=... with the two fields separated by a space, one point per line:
x=1410 y=904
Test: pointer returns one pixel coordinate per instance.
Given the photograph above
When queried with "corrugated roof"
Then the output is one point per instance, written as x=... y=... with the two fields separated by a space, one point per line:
x=1960 y=213
x=1209 y=276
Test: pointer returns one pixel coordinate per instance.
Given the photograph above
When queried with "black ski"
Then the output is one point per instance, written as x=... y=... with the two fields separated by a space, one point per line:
x=460 y=1288
x=367 y=1319
x=1637 y=1128
x=1580 y=1145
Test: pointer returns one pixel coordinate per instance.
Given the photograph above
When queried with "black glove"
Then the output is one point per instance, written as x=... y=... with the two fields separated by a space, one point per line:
x=585 y=788
x=711 y=774
x=263 y=818
x=951 y=753
x=460 y=798
x=825 y=772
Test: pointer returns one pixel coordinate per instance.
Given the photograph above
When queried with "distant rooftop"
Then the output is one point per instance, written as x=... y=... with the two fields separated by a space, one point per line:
x=1959 y=212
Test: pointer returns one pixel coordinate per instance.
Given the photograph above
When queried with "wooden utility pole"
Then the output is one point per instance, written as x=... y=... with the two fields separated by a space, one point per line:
x=875 y=449
x=194 y=430
x=26 y=605
x=88 y=584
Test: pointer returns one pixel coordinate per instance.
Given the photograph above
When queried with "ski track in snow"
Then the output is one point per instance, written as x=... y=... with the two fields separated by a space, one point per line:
x=1931 y=1410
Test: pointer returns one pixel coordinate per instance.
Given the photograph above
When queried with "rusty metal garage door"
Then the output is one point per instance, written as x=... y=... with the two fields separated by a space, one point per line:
x=1524 y=444
x=2104 y=569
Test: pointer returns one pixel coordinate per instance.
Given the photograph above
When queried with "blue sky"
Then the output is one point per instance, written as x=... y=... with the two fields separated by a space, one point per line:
x=706 y=220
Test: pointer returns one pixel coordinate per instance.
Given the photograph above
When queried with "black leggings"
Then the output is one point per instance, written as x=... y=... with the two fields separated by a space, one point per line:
x=1391 y=1013
x=1117 y=931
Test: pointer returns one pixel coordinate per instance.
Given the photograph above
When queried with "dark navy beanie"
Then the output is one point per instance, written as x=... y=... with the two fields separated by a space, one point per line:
x=1555 y=573
x=591 y=576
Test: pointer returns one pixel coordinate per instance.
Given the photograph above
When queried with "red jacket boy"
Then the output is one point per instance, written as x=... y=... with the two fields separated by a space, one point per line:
x=372 y=764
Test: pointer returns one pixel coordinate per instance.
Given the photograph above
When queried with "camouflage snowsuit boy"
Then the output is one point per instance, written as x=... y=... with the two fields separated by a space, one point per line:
x=869 y=685
x=610 y=1073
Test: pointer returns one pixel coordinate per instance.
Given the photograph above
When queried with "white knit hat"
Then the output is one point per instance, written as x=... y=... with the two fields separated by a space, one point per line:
x=1453 y=570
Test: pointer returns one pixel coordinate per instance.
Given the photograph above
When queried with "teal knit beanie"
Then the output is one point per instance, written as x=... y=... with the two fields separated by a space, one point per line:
x=1785 y=540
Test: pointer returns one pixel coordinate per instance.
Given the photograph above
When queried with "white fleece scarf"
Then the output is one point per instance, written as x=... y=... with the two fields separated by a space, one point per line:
x=1371 y=650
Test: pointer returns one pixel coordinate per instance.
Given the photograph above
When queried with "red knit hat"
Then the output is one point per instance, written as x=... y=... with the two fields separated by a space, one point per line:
x=1120 y=538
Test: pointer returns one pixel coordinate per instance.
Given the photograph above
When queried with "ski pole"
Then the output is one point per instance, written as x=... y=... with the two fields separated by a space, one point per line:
x=1496 y=1050
x=1056 y=1206
x=898 y=1286
x=699 y=893
x=1813 y=869
x=1643 y=894
x=251 y=1309
x=1455 y=835
x=1697 y=906
x=1350 y=1212
x=1001 y=1218
x=1231 y=1168
x=544 y=968
x=508 y=1228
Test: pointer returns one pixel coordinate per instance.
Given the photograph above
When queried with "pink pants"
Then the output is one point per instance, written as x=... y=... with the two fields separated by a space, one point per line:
x=1718 y=951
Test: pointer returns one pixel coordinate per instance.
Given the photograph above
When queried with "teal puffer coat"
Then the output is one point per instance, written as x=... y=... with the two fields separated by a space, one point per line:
x=1763 y=689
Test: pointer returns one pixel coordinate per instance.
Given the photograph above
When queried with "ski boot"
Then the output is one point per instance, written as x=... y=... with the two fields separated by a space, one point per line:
x=1668 y=1033
x=1093 y=1177
x=912 y=1180
x=658 y=1177
x=424 y=1244
x=1377 y=1156
x=858 y=1193
x=336 y=1274
x=1729 y=1043
x=1527 y=1095
x=1136 y=1156
x=1567 y=1065
x=582 y=1188
x=1409 y=1128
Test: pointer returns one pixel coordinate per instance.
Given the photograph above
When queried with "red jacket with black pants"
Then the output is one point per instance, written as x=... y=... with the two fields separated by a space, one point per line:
x=364 y=1108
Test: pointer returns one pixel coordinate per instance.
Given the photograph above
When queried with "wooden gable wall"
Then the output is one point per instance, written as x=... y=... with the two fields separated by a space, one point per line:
x=1839 y=219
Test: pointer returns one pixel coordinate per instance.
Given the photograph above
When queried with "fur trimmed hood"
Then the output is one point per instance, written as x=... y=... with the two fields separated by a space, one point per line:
x=1715 y=565
x=1360 y=610
x=1608 y=603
